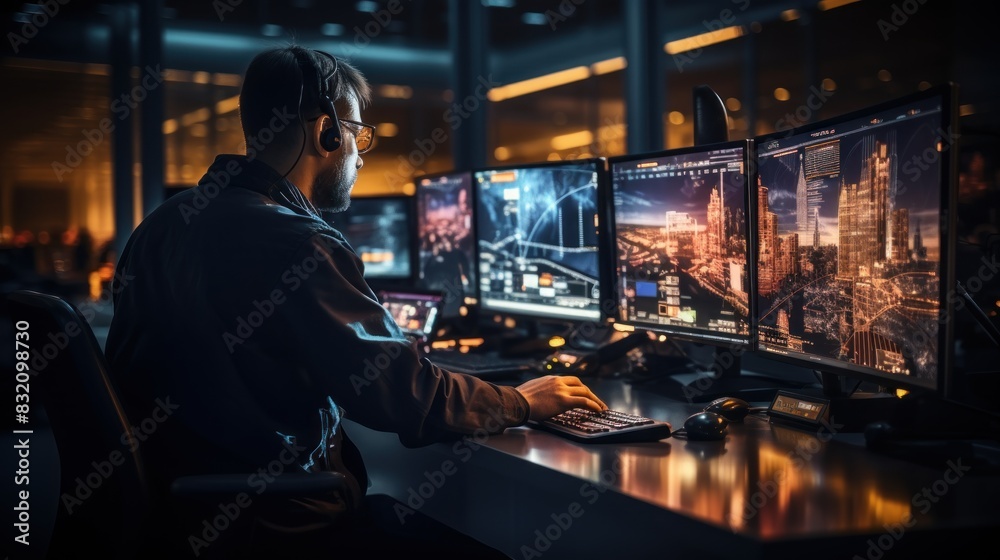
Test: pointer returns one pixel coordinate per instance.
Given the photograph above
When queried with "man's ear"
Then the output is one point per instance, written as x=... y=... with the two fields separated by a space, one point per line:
x=318 y=126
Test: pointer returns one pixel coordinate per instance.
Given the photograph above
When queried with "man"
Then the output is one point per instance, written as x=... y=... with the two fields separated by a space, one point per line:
x=246 y=313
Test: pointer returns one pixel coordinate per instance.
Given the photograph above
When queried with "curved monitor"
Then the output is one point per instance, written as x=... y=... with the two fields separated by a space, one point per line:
x=446 y=242
x=538 y=241
x=680 y=226
x=854 y=222
x=380 y=229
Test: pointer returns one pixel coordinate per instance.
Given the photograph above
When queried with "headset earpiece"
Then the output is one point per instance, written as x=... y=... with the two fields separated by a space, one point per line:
x=330 y=138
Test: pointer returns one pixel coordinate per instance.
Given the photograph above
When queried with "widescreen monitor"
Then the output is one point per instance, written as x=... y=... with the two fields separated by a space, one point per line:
x=681 y=249
x=446 y=242
x=380 y=229
x=854 y=224
x=538 y=239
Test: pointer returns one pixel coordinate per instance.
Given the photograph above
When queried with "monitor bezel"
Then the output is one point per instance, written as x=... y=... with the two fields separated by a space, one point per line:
x=948 y=92
x=417 y=280
x=698 y=336
x=410 y=206
x=604 y=313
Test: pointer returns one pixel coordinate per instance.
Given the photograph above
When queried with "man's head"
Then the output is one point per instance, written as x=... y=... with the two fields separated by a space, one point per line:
x=284 y=120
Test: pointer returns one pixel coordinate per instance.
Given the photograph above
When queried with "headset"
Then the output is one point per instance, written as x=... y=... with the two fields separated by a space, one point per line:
x=330 y=139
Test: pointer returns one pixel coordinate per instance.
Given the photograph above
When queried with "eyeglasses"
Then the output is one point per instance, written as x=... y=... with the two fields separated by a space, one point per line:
x=364 y=134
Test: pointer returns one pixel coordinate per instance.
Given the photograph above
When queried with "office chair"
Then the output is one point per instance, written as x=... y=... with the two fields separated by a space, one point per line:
x=121 y=516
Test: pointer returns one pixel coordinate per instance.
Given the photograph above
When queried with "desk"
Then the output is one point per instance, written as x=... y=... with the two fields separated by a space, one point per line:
x=768 y=491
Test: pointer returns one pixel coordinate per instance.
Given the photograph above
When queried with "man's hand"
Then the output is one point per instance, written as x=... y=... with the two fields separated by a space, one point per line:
x=554 y=394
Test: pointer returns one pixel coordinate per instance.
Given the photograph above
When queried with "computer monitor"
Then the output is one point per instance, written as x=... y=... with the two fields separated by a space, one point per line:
x=416 y=312
x=538 y=241
x=681 y=235
x=855 y=227
x=445 y=239
x=380 y=229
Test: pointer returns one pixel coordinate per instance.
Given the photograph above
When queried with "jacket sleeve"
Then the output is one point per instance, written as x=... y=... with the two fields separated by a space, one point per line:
x=349 y=347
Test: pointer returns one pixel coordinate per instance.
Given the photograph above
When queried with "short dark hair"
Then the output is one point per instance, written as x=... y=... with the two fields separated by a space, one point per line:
x=274 y=81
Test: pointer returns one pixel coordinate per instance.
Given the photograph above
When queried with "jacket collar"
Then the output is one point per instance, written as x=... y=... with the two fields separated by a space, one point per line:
x=253 y=174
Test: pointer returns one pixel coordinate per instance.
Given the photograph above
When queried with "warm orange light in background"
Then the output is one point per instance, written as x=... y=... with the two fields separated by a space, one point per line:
x=610 y=65
x=227 y=105
x=831 y=4
x=394 y=92
x=703 y=39
x=386 y=130
x=540 y=83
x=572 y=140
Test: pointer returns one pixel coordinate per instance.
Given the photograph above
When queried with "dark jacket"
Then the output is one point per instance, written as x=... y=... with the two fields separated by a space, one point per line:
x=248 y=315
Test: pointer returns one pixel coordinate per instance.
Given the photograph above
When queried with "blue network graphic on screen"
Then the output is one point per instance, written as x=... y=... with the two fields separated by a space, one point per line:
x=538 y=240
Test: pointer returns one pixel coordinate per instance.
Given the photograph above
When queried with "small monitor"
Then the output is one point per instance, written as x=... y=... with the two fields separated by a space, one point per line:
x=416 y=312
x=680 y=230
x=538 y=243
x=854 y=219
x=380 y=229
x=446 y=242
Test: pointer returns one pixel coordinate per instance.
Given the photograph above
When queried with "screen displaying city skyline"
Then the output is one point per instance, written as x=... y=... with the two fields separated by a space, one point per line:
x=538 y=239
x=680 y=234
x=446 y=244
x=849 y=242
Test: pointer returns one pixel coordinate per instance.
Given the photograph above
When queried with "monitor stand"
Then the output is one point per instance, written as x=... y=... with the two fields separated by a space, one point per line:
x=686 y=379
x=529 y=338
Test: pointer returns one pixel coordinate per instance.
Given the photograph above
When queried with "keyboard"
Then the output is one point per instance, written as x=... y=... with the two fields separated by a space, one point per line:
x=483 y=364
x=610 y=426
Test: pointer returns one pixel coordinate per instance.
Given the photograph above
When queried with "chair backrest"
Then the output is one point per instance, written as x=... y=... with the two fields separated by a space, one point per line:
x=104 y=502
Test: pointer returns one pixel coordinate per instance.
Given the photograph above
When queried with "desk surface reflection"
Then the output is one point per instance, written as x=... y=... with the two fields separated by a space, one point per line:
x=765 y=489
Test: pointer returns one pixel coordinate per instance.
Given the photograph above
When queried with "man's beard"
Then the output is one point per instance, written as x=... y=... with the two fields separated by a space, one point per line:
x=331 y=190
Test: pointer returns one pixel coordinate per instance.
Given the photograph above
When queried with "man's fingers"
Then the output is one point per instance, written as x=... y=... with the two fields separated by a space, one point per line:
x=585 y=391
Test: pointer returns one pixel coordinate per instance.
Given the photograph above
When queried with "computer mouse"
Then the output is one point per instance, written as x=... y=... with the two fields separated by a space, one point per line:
x=706 y=426
x=731 y=408
x=879 y=434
